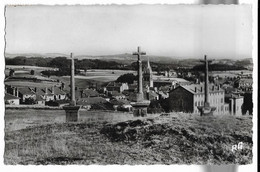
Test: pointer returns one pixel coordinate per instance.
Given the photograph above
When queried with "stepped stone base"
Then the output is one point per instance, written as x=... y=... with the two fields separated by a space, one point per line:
x=206 y=110
x=140 y=108
x=72 y=113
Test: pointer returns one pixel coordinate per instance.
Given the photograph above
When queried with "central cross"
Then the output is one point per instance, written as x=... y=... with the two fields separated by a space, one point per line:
x=139 y=53
x=140 y=105
x=206 y=109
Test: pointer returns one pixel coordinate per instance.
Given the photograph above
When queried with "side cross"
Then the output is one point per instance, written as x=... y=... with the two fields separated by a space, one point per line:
x=205 y=60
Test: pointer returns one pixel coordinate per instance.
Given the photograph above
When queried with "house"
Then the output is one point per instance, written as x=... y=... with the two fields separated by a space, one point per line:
x=116 y=95
x=150 y=95
x=166 y=89
x=51 y=93
x=168 y=81
x=59 y=94
x=104 y=96
x=170 y=73
x=88 y=103
x=121 y=105
x=163 y=95
x=26 y=93
x=45 y=93
x=11 y=100
x=89 y=93
x=244 y=83
x=133 y=87
x=114 y=86
x=187 y=98
x=40 y=101
x=160 y=83
x=236 y=103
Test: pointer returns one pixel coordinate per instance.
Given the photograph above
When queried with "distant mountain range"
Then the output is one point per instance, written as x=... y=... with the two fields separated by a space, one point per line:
x=123 y=58
x=129 y=58
x=28 y=55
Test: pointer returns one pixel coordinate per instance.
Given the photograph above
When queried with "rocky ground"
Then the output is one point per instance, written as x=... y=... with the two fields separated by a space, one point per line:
x=167 y=139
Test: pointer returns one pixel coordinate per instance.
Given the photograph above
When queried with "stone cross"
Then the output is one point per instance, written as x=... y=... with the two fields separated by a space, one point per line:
x=140 y=74
x=72 y=82
x=206 y=88
x=140 y=105
x=72 y=110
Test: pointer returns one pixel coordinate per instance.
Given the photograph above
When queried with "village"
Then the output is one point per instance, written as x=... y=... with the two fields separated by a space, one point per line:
x=166 y=92
x=129 y=85
x=127 y=119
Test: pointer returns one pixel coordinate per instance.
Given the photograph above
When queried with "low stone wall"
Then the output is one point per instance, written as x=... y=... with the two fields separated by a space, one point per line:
x=31 y=107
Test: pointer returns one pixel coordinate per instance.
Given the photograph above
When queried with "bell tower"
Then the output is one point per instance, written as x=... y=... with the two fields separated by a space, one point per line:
x=148 y=75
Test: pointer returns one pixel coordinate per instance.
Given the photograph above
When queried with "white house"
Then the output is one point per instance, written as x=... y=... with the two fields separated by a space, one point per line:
x=11 y=100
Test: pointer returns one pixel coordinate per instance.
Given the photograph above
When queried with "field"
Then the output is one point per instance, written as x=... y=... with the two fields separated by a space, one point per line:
x=26 y=69
x=42 y=137
x=20 y=83
x=103 y=75
x=232 y=73
x=22 y=118
x=93 y=77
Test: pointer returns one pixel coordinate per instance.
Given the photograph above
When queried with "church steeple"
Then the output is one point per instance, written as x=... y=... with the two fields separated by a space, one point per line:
x=148 y=65
x=148 y=68
x=148 y=76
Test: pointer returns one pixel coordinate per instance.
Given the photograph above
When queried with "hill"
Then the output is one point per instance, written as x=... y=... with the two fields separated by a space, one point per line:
x=165 y=139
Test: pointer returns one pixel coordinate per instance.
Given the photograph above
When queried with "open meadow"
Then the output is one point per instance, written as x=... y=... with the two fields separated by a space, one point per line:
x=103 y=137
x=230 y=73
x=22 y=69
x=99 y=75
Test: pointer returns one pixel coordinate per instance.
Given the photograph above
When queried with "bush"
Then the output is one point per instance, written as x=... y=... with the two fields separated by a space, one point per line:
x=29 y=101
x=51 y=103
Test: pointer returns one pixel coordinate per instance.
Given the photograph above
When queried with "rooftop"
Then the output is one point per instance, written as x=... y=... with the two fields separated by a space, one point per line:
x=114 y=84
x=10 y=97
x=25 y=90
x=120 y=102
x=90 y=93
x=199 y=88
x=115 y=93
x=171 y=79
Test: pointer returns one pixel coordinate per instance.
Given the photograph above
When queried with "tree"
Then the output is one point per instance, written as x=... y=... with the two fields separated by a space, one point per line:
x=29 y=101
x=11 y=73
x=248 y=104
x=62 y=85
x=127 y=78
x=32 y=72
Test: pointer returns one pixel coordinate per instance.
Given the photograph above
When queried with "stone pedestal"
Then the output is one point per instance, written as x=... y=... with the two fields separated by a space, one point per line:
x=72 y=113
x=206 y=110
x=139 y=97
x=140 y=108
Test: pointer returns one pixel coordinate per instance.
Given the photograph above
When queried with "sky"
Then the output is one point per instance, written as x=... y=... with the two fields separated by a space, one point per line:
x=183 y=31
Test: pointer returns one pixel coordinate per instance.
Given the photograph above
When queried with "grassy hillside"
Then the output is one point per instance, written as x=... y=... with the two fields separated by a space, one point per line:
x=167 y=139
